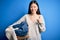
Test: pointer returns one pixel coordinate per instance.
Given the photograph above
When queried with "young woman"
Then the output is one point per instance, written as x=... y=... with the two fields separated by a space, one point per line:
x=35 y=22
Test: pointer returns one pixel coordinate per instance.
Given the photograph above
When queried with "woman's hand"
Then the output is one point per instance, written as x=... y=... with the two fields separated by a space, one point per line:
x=40 y=20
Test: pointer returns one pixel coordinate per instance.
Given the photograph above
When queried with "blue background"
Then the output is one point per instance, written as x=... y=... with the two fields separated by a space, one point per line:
x=12 y=10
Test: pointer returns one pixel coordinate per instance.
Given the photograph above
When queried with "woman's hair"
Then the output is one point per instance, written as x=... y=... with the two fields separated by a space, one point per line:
x=33 y=1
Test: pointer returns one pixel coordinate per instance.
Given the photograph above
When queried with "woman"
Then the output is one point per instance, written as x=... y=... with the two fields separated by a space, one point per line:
x=35 y=22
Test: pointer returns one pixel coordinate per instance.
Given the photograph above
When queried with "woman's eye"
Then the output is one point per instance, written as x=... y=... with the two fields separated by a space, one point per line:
x=34 y=6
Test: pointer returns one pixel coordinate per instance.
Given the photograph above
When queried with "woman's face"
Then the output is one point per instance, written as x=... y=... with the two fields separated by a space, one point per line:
x=33 y=8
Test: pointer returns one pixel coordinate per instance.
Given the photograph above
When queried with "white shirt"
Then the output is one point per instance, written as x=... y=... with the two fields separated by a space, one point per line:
x=33 y=33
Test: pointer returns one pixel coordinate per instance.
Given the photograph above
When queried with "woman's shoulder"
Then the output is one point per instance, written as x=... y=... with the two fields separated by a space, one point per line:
x=40 y=15
x=26 y=15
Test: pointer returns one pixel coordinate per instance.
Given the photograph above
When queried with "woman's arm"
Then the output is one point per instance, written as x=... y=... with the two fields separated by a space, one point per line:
x=10 y=30
x=41 y=23
x=18 y=22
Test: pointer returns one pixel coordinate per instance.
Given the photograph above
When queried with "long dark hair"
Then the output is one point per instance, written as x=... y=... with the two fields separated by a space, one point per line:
x=33 y=1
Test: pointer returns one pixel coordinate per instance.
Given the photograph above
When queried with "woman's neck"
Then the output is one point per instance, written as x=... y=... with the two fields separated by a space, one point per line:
x=33 y=14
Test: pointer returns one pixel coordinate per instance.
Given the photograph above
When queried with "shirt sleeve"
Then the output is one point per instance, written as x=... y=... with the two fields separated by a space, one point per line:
x=42 y=25
x=18 y=22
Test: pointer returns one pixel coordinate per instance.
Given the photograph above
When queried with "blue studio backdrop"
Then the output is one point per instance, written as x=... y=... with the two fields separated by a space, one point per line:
x=12 y=10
